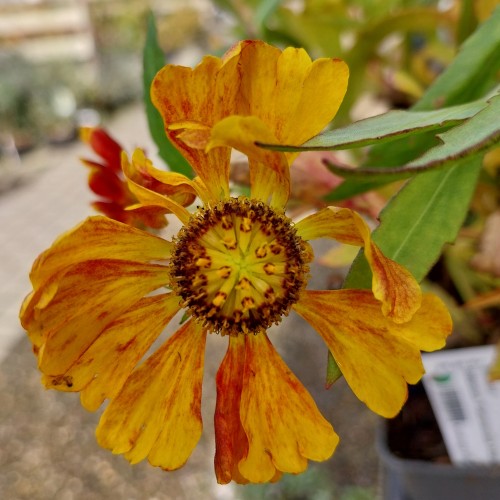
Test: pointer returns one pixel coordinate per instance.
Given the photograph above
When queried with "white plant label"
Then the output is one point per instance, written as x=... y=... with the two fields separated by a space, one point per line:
x=466 y=403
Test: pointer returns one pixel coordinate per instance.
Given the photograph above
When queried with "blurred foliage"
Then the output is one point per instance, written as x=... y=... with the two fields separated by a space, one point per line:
x=39 y=100
x=313 y=484
x=393 y=48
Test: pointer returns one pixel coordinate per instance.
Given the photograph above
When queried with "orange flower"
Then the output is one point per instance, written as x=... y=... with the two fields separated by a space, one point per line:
x=104 y=291
x=106 y=179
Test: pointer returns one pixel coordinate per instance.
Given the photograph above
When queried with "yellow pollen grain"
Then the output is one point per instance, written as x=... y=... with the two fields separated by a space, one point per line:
x=200 y=280
x=243 y=284
x=220 y=298
x=276 y=249
x=224 y=272
x=201 y=295
x=248 y=303
x=226 y=222
x=269 y=295
x=266 y=228
x=269 y=268
x=205 y=262
x=246 y=225
x=261 y=251
x=230 y=242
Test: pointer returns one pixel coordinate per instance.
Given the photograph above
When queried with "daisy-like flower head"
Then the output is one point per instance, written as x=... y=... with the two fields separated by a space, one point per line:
x=107 y=181
x=105 y=291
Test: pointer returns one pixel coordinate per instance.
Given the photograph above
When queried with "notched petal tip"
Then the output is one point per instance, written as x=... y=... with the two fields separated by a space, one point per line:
x=157 y=414
x=283 y=443
x=377 y=356
x=394 y=286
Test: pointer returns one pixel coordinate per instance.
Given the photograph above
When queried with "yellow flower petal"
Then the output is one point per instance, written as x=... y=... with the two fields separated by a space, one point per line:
x=176 y=186
x=291 y=95
x=157 y=413
x=323 y=90
x=103 y=368
x=204 y=95
x=392 y=284
x=333 y=222
x=82 y=302
x=280 y=440
x=377 y=356
x=269 y=170
x=193 y=134
x=151 y=215
x=430 y=326
x=136 y=170
x=98 y=238
x=294 y=97
x=231 y=443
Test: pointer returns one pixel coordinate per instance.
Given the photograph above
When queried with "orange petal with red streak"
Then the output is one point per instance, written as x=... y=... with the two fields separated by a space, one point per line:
x=280 y=441
x=377 y=356
x=157 y=414
x=392 y=284
x=148 y=192
x=269 y=170
x=103 y=368
x=231 y=443
x=74 y=307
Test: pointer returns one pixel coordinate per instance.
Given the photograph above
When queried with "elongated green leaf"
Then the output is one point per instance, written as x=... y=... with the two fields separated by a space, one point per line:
x=474 y=135
x=470 y=75
x=421 y=218
x=432 y=217
x=429 y=211
x=264 y=10
x=471 y=137
x=153 y=61
x=424 y=216
x=387 y=127
x=450 y=189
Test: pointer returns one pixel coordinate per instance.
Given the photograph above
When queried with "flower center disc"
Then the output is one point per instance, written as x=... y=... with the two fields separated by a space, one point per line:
x=239 y=266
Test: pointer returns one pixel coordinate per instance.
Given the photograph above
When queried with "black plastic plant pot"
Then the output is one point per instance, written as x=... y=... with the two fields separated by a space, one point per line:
x=414 y=463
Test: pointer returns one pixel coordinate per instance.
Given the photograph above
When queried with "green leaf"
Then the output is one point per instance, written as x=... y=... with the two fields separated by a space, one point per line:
x=419 y=221
x=263 y=11
x=387 y=127
x=333 y=372
x=429 y=211
x=432 y=216
x=475 y=135
x=426 y=215
x=470 y=75
x=153 y=61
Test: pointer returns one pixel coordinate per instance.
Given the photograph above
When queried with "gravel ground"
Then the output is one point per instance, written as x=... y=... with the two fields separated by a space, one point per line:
x=48 y=449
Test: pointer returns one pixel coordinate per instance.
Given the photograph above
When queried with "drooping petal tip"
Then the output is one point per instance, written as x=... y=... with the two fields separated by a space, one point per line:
x=284 y=442
x=377 y=356
x=157 y=414
x=392 y=284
